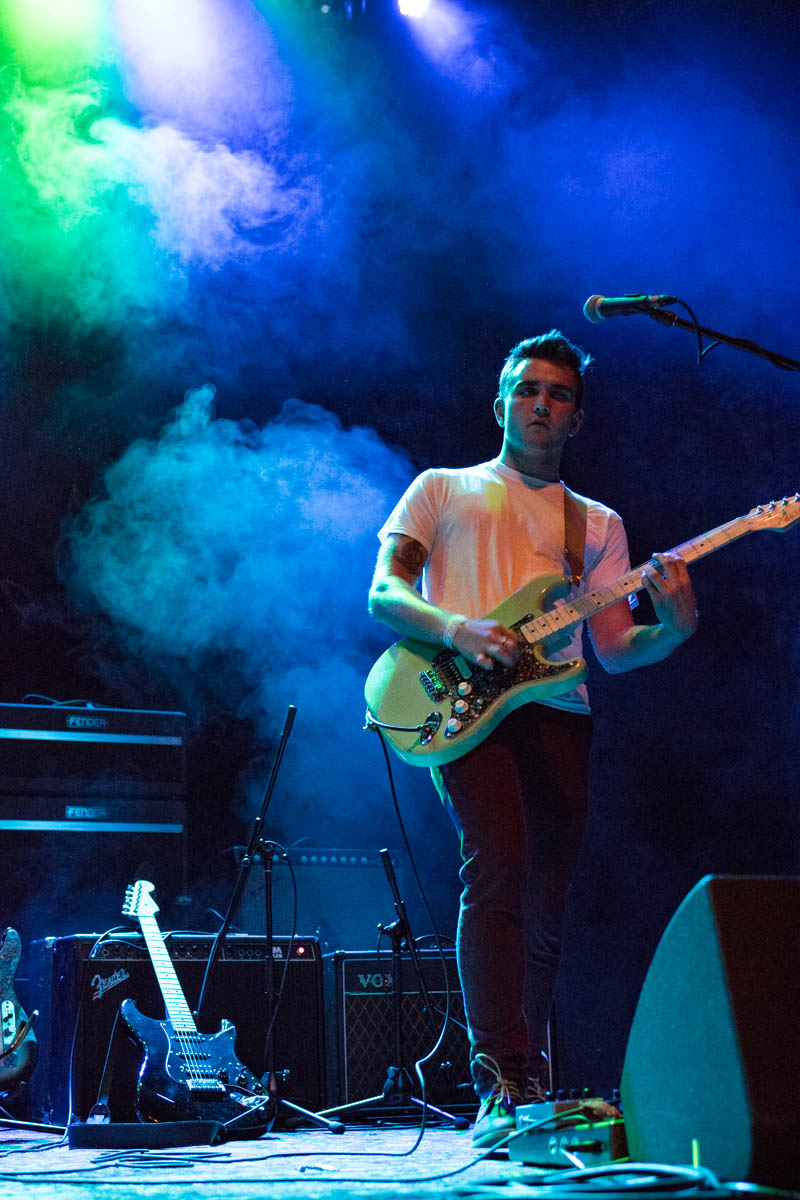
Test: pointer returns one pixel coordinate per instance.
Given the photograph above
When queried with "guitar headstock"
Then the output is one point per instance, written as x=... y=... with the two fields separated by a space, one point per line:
x=778 y=514
x=139 y=900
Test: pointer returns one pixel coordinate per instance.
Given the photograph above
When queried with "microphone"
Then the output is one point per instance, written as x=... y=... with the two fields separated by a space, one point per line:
x=600 y=308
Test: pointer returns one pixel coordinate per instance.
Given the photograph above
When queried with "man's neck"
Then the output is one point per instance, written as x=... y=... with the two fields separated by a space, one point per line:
x=540 y=467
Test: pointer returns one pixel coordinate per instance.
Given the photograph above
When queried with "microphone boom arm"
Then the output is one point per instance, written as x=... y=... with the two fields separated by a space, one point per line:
x=665 y=316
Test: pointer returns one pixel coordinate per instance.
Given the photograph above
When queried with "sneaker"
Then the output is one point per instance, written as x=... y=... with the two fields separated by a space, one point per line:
x=497 y=1114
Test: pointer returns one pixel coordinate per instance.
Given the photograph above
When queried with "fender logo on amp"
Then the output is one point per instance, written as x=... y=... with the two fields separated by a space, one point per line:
x=102 y=984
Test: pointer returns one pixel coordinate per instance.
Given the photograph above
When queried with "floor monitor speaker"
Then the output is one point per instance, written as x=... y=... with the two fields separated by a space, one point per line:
x=713 y=1059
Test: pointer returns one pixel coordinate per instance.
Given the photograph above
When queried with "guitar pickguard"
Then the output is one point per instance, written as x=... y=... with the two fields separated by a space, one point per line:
x=434 y=706
x=467 y=694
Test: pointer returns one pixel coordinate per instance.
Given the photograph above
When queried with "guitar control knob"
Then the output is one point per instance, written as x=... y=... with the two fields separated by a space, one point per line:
x=465 y=689
x=223 y=1074
x=460 y=706
x=452 y=727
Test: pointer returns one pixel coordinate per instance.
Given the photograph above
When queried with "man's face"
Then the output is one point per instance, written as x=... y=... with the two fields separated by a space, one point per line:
x=538 y=409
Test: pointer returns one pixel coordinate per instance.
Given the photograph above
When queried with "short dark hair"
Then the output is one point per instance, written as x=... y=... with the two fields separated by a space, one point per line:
x=554 y=347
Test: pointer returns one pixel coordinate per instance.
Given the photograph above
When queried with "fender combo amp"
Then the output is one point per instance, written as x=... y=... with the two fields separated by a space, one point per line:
x=713 y=1059
x=73 y=990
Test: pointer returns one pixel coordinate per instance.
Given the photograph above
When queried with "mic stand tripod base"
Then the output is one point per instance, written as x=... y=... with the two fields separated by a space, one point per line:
x=396 y=1095
x=271 y=1081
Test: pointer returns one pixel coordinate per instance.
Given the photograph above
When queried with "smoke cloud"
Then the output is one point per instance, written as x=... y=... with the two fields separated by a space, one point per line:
x=237 y=559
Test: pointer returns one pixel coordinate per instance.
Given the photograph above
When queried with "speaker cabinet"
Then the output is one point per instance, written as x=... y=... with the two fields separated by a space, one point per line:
x=72 y=876
x=341 y=895
x=359 y=994
x=713 y=1059
x=80 y=996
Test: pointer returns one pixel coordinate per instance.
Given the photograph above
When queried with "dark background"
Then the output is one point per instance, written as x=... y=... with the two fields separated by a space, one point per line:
x=341 y=227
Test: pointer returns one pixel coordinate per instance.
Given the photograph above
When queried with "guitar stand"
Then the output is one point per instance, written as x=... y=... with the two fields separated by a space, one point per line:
x=396 y=1091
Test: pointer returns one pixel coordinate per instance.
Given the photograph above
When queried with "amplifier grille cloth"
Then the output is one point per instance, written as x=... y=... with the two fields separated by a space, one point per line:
x=369 y=1047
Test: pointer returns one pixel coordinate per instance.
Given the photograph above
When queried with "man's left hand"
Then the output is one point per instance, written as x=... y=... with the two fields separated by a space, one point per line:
x=668 y=584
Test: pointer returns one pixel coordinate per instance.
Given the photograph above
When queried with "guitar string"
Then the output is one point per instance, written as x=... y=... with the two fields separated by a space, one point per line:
x=160 y=957
x=157 y=948
x=188 y=1038
x=578 y=609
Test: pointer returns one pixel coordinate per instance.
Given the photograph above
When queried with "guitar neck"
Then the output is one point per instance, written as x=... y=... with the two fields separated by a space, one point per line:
x=571 y=612
x=178 y=1010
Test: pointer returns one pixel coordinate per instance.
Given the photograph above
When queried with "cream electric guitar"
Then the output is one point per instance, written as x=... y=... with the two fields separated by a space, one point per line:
x=433 y=707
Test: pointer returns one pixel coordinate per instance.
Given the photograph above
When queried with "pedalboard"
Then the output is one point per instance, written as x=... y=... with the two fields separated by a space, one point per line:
x=568 y=1133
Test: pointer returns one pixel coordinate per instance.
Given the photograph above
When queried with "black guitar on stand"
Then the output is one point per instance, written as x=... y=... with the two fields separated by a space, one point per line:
x=187 y=1075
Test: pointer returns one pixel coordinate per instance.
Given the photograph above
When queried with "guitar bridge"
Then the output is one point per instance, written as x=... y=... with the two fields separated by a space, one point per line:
x=433 y=684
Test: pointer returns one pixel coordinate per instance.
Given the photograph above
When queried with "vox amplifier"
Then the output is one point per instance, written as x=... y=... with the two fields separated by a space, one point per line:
x=359 y=995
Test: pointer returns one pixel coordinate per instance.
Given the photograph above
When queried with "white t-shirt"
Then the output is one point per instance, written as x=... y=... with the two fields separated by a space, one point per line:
x=489 y=530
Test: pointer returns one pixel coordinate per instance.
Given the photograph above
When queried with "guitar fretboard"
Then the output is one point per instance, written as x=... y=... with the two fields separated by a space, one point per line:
x=571 y=612
x=178 y=1010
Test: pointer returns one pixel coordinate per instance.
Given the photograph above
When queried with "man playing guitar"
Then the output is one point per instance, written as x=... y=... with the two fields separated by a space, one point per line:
x=474 y=536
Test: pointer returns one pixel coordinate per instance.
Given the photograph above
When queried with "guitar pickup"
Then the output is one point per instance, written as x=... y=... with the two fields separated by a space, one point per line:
x=206 y=1087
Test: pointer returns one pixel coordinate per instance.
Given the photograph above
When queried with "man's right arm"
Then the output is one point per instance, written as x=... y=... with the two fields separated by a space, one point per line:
x=395 y=601
x=393 y=597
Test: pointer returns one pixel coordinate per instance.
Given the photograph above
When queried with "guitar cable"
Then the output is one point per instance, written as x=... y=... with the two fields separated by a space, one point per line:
x=435 y=935
x=373 y=725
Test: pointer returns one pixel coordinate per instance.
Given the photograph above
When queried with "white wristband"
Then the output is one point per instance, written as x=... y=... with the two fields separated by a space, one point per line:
x=451 y=628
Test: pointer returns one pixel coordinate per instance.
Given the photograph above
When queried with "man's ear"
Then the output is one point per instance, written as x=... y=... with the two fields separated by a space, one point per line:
x=577 y=421
x=500 y=411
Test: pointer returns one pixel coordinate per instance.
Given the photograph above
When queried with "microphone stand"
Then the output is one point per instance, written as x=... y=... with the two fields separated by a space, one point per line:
x=396 y=1091
x=259 y=850
x=665 y=316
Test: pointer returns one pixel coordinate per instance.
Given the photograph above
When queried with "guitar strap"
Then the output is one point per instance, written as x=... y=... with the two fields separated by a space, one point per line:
x=575 y=511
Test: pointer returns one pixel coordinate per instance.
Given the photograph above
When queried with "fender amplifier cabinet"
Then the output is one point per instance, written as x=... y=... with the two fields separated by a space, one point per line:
x=79 y=997
x=84 y=751
x=91 y=798
x=359 y=1007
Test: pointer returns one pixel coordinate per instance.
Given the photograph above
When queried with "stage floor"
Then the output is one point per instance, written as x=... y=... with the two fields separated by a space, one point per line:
x=365 y=1160
x=370 y=1160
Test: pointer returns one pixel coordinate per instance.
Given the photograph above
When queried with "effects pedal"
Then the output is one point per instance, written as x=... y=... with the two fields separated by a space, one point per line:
x=569 y=1133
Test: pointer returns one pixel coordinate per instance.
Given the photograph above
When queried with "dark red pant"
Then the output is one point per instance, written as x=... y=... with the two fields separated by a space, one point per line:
x=518 y=801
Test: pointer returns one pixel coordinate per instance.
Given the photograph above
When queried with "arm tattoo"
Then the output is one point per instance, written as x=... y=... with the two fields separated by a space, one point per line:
x=410 y=555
